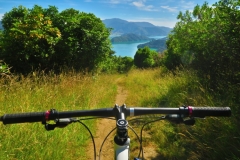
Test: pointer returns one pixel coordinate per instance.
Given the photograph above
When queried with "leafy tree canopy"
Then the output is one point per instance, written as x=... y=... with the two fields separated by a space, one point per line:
x=207 y=40
x=145 y=58
x=40 y=38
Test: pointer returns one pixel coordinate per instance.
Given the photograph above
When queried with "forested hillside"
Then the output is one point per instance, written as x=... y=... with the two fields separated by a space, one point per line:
x=159 y=44
x=129 y=38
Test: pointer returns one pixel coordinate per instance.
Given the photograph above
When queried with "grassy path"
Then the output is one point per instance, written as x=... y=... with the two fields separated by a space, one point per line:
x=73 y=91
x=104 y=126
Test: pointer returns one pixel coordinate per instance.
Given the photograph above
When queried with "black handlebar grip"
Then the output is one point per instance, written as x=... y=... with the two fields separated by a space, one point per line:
x=23 y=117
x=211 y=111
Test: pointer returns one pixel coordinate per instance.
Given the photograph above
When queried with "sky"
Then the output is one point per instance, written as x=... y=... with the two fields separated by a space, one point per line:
x=157 y=12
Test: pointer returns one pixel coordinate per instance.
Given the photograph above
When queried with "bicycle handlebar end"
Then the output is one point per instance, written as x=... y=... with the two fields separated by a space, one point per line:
x=23 y=117
x=211 y=111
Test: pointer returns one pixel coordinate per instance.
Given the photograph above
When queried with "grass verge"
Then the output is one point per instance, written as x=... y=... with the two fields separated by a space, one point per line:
x=40 y=92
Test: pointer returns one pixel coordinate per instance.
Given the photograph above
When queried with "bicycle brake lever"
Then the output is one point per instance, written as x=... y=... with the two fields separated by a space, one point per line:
x=65 y=121
x=50 y=127
x=189 y=122
x=176 y=118
x=60 y=123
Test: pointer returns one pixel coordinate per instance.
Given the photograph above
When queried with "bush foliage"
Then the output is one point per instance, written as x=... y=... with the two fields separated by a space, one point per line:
x=146 y=58
x=46 y=39
x=207 y=40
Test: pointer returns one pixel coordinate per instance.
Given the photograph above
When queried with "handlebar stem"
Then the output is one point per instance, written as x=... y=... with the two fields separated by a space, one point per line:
x=120 y=111
x=122 y=124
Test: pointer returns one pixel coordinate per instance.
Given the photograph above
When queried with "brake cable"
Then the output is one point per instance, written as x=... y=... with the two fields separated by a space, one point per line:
x=94 y=146
x=141 y=148
x=100 y=151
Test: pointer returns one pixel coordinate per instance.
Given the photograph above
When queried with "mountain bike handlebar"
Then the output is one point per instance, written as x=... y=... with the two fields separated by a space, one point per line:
x=121 y=139
x=114 y=112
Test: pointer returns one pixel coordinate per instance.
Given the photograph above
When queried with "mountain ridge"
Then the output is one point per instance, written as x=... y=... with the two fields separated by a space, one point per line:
x=121 y=26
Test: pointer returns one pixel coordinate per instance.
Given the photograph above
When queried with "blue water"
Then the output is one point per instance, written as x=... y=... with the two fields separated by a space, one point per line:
x=129 y=49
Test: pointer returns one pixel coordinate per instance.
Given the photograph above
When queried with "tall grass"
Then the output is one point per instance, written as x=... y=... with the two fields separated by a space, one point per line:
x=213 y=138
x=41 y=92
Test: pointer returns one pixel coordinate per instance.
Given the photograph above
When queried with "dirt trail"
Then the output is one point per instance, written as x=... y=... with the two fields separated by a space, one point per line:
x=104 y=126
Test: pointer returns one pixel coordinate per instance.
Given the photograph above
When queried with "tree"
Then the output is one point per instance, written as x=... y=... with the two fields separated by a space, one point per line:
x=47 y=39
x=117 y=64
x=85 y=43
x=1 y=41
x=145 y=58
x=28 y=39
x=125 y=64
x=207 y=40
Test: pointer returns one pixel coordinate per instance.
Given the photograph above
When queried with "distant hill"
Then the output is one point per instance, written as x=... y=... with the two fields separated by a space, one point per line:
x=120 y=26
x=130 y=37
x=159 y=44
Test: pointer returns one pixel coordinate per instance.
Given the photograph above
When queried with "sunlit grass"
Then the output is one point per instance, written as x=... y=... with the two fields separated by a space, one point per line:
x=40 y=92
x=208 y=139
x=213 y=138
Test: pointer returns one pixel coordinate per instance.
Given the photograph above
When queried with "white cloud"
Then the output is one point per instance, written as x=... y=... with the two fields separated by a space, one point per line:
x=142 y=6
x=170 y=9
x=176 y=6
x=138 y=4
x=187 y=5
x=150 y=8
